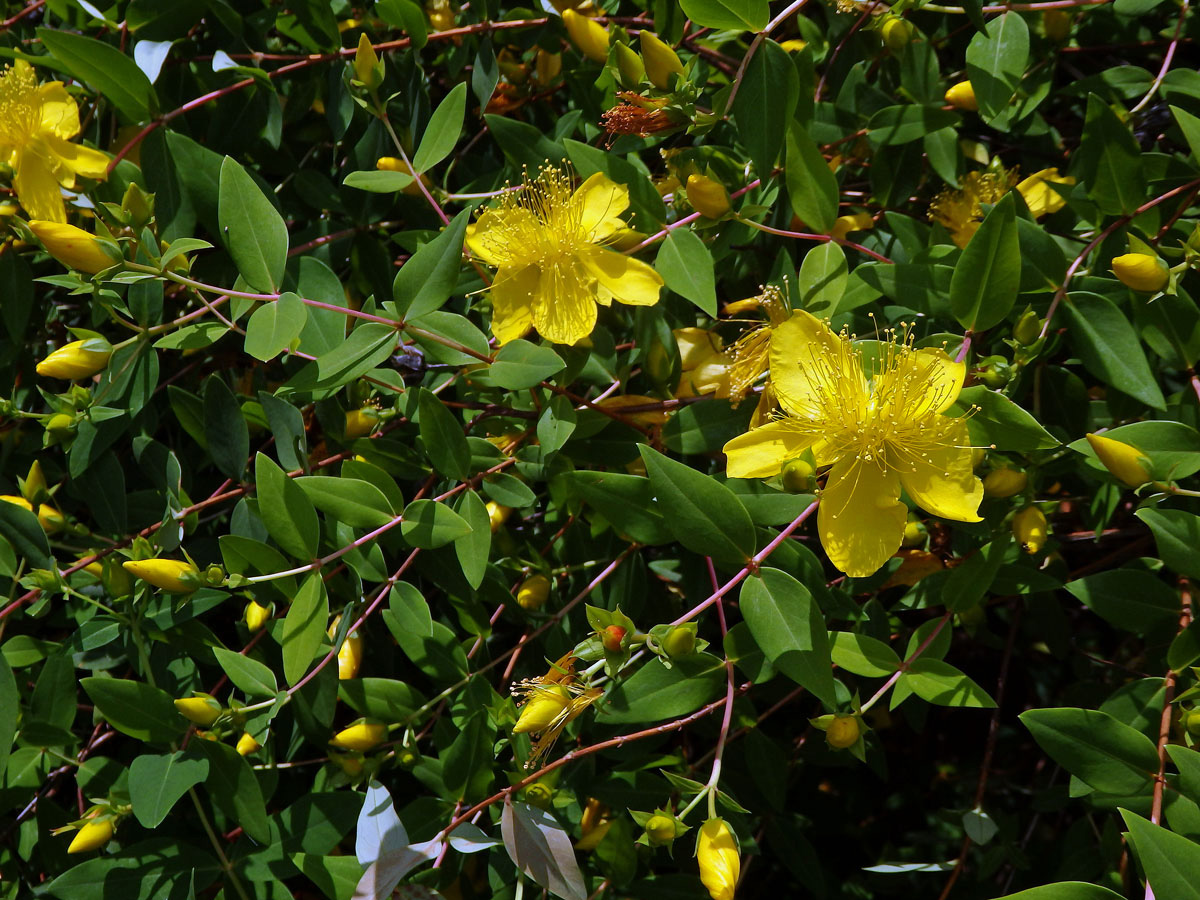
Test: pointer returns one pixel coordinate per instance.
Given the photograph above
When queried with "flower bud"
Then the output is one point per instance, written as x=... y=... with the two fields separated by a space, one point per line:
x=539 y=795
x=843 y=225
x=661 y=61
x=71 y=246
x=395 y=164
x=138 y=205
x=34 y=488
x=350 y=654
x=680 y=641
x=613 y=638
x=717 y=854
x=60 y=426
x=351 y=763
x=914 y=536
x=629 y=64
x=51 y=520
x=1029 y=528
x=708 y=197
x=247 y=744
x=367 y=68
x=896 y=33
x=587 y=34
x=1191 y=722
x=1057 y=24
x=497 y=514
x=533 y=592
x=1001 y=483
x=797 y=476
x=360 y=423
x=547 y=704
x=591 y=839
x=441 y=16
x=547 y=66
x=1123 y=460
x=362 y=735
x=17 y=500
x=256 y=616
x=78 y=359
x=173 y=575
x=94 y=834
x=660 y=830
x=843 y=732
x=201 y=709
x=1028 y=328
x=408 y=757
x=962 y=96
x=1141 y=272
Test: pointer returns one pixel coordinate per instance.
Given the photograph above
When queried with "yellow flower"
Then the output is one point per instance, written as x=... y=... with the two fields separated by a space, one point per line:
x=707 y=196
x=1124 y=461
x=257 y=616
x=360 y=422
x=588 y=35
x=173 y=575
x=71 y=246
x=1029 y=528
x=962 y=96
x=1141 y=272
x=37 y=123
x=93 y=835
x=78 y=359
x=17 y=500
x=961 y=211
x=1039 y=197
x=247 y=744
x=717 y=854
x=362 y=735
x=547 y=244
x=549 y=703
x=879 y=430
x=661 y=61
x=533 y=592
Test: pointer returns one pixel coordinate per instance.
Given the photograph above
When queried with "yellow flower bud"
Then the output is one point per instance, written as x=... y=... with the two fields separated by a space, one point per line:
x=441 y=16
x=202 y=709
x=533 y=592
x=366 y=64
x=247 y=745
x=256 y=616
x=17 y=500
x=51 y=520
x=914 y=535
x=843 y=225
x=1141 y=272
x=843 y=732
x=72 y=246
x=94 y=834
x=350 y=763
x=350 y=654
x=1029 y=528
x=1057 y=24
x=547 y=704
x=708 y=197
x=539 y=795
x=629 y=64
x=717 y=854
x=395 y=164
x=60 y=426
x=896 y=33
x=660 y=830
x=1124 y=461
x=591 y=839
x=588 y=35
x=35 y=483
x=78 y=359
x=360 y=423
x=547 y=66
x=962 y=96
x=795 y=45
x=661 y=61
x=1001 y=483
x=497 y=514
x=361 y=736
x=680 y=641
x=173 y=575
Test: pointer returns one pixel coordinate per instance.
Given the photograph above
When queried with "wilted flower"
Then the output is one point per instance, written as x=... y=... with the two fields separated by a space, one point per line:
x=960 y=211
x=548 y=704
x=638 y=115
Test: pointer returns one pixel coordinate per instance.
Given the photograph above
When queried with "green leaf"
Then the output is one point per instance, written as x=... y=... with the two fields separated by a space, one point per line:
x=939 y=682
x=472 y=549
x=24 y=532
x=812 y=188
x=357 y=503
x=1109 y=347
x=996 y=61
x=1066 y=890
x=686 y=267
x=441 y=134
x=250 y=676
x=903 y=124
x=704 y=515
x=1132 y=599
x=520 y=364
x=1169 y=860
x=252 y=229
x=787 y=624
x=304 y=627
x=1190 y=126
x=234 y=790
x=225 y=427
x=1177 y=536
x=274 y=326
x=378 y=181
x=823 y=277
x=380 y=698
x=655 y=692
x=1109 y=161
x=428 y=279
x=429 y=525
x=999 y=421
x=1096 y=748
x=765 y=104
x=1173 y=448
x=149 y=869
x=136 y=709
x=467 y=762
x=367 y=346
x=407 y=15
x=728 y=15
x=156 y=782
x=988 y=274
x=105 y=69
x=442 y=434
x=286 y=510
x=10 y=701
x=626 y=501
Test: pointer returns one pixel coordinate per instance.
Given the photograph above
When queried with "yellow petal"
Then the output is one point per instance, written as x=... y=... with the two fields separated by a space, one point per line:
x=920 y=383
x=37 y=187
x=943 y=483
x=76 y=159
x=816 y=373
x=861 y=518
x=564 y=306
x=490 y=237
x=60 y=114
x=761 y=452
x=628 y=280
x=512 y=302
x=1039 y=196
x=601 y=200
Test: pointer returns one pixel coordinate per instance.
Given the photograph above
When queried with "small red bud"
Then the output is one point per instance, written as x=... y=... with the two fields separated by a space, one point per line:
x=612 y=638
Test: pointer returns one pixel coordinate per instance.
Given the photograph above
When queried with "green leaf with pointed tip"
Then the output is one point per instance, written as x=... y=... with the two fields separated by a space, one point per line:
x=252 y=229
x=988 y=274
x=1096 y=748
x=288 y=514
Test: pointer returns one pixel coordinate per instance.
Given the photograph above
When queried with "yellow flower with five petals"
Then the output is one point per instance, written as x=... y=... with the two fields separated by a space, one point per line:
x=879 y=426
x=547 y=243
x=37 y=123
